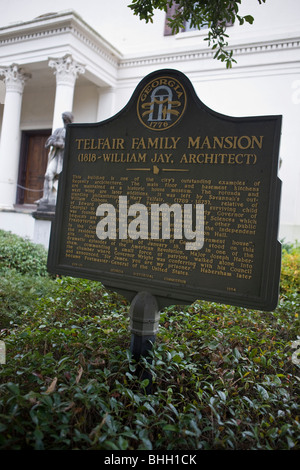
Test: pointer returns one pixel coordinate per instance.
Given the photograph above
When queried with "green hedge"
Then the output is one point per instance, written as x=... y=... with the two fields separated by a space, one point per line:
x=223 y=377
x=22 y=254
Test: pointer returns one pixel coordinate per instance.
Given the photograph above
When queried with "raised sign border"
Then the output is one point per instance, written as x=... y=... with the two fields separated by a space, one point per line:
x=168 y=293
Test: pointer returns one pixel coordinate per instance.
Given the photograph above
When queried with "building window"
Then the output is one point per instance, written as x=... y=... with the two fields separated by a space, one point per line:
x=169 y=14
x=171 y=11
x=188 y=27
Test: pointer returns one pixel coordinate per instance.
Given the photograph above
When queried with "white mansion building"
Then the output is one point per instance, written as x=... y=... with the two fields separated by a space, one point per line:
x=88 y=57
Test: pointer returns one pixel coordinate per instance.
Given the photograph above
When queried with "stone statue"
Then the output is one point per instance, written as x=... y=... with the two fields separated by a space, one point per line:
x=56 y=142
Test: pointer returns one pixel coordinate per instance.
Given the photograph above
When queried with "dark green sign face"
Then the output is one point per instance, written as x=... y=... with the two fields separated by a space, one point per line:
x=172 y=198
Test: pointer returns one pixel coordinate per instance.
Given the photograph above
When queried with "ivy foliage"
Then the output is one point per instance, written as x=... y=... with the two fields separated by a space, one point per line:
x=214 y=15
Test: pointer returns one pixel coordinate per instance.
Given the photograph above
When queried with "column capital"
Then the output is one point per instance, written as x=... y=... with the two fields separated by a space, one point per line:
x=14 y=78
x=66 y=69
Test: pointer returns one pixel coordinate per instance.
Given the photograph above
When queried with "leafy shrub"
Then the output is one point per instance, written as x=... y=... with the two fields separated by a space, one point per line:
x=223 y=377
x=19 y=293
x=24 y=278
x=21 y=254
x=290 y=269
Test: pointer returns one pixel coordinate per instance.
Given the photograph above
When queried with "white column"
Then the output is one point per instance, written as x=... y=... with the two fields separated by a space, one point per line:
x=14 y=79
x=106 y=103
x=66 y=70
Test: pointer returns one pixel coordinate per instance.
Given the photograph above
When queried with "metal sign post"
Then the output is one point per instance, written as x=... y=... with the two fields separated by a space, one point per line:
x=144 y=323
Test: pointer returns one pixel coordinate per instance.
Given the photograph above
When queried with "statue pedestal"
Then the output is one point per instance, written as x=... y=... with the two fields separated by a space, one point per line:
x=43 y=216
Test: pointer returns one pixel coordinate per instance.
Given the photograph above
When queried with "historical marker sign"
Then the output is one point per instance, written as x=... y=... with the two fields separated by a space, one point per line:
x=173 y=198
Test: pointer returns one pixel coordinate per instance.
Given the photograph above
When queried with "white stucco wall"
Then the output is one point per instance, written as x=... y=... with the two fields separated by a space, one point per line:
x=116 y=22
x=265 y=80
x=266 y=95
x=37 y=108
x=85 y=104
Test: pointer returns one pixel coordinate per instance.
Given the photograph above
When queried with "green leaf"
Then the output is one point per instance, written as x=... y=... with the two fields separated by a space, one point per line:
x=263 y=392
x=62 y=363
x=222 y=395
x=177 y=358
x=237 y=353
x=290 y=442
x=14 y=388
x=172 y=407
x=170 y=427
x=249 y=19
x=145 y=383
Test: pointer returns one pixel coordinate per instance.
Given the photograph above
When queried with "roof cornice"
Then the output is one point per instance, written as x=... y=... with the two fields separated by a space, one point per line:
x=59 y=23
x=198 y=53
x=69 y=22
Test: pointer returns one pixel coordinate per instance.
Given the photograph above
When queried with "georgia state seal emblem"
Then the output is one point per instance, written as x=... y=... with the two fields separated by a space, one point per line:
x=161 y=103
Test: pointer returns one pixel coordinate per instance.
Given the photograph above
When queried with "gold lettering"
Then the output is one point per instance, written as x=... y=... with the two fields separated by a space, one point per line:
x=206 y=142
x=217 y=158
x=97 y=144
x=219 y=141
x=258 y=143
x=227 y=142
x=231 y=142
x=193 y=143
x=158 y=143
